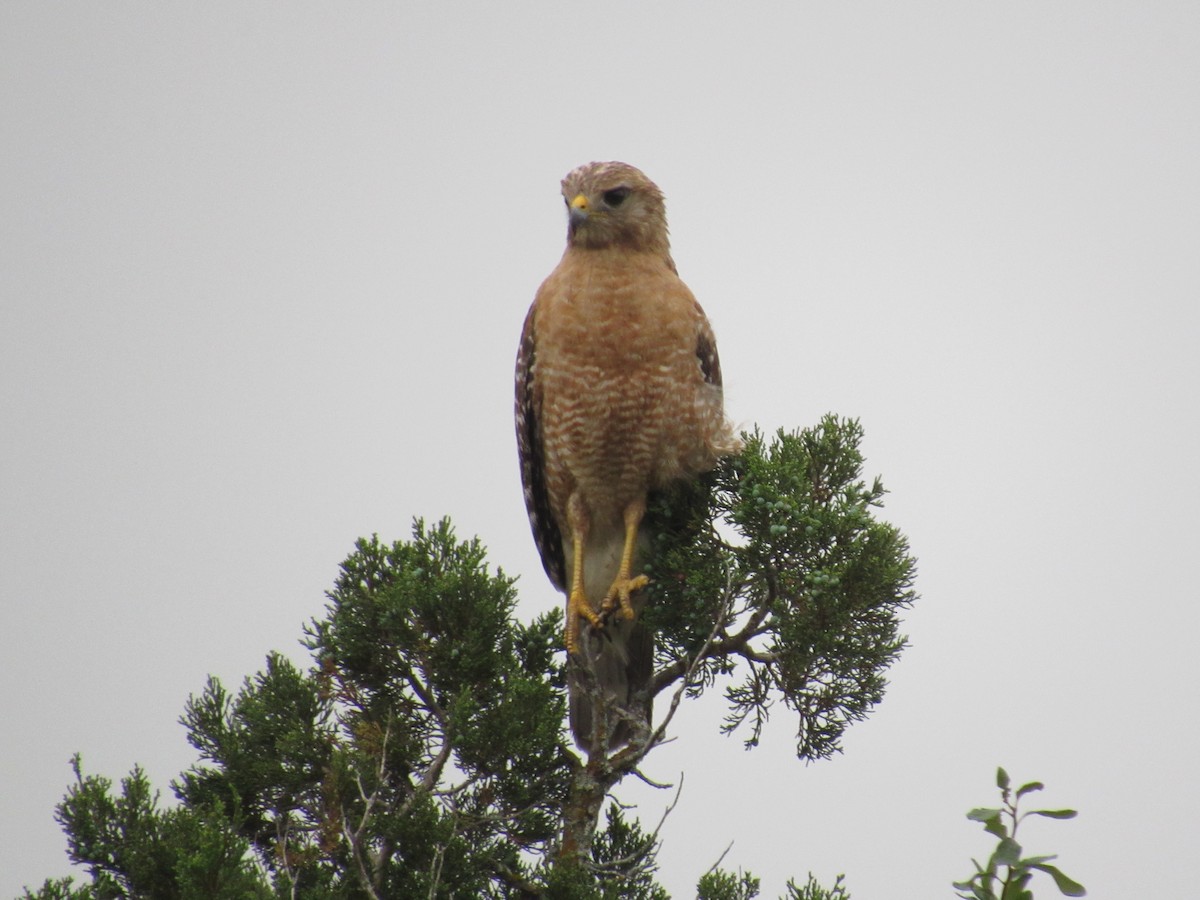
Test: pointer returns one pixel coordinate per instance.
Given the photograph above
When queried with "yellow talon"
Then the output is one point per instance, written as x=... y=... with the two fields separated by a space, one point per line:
x=578 y=607
x=578 y=604
x=617 y=600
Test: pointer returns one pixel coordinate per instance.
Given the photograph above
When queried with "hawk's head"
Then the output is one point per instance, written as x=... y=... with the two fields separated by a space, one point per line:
x=612 y=203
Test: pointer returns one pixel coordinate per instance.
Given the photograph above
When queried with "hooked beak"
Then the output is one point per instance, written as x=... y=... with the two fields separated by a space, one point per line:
x=578 y=209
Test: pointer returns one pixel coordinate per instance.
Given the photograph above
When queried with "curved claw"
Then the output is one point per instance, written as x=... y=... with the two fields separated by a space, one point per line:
x=578 y=608
x=617 y=602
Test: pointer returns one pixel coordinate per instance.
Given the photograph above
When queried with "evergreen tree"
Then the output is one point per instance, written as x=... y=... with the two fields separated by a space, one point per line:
x=424 y=752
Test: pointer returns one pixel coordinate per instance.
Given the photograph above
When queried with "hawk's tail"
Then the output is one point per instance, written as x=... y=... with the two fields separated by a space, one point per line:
x=608 y=685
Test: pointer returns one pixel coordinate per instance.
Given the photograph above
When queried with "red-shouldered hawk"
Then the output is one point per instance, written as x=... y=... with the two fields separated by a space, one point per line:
x=618 y=393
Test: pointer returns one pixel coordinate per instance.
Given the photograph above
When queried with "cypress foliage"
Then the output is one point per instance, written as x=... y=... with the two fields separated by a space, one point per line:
x=423 y=753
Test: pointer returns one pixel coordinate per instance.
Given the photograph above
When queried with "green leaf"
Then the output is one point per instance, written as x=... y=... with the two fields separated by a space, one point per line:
x=983 y=814
x=991 y=819
x=1014 y=888
x=1007 y=853
x=1069 y=887
x=1053 y=813
x=1029 y=788
x=1002 y=779
x=1030 y=861
x=977 y=891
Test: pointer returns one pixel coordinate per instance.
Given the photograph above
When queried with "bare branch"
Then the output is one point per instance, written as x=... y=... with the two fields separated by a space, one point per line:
x=528 y=890
x=758 y=656
x=435 y=875
x=717 y=864
x=356 y=852
x=654 y=784
x=637 y=860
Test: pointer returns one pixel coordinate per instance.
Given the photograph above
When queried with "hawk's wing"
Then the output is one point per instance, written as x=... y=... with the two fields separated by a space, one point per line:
x=531 y=452
x=706 y=350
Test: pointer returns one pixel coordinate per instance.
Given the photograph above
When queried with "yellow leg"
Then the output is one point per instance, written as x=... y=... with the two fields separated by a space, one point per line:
x=578 y=604
x=617 y=599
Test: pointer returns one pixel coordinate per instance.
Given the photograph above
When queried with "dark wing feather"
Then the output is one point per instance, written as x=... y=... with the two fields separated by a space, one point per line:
x=706 y=352
x=530 y=450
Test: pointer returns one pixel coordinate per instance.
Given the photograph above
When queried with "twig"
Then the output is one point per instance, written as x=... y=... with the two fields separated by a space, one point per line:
x=638 y=858
x=715 y=865
x=670 y=809
x=654 y=784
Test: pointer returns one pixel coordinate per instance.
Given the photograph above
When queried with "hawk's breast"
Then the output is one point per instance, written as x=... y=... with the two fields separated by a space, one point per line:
x=624 y=403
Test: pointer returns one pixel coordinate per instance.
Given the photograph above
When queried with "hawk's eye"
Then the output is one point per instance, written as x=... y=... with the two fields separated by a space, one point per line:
x=616 y=196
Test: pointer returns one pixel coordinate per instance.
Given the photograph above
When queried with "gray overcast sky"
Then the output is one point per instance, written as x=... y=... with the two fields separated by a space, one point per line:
x=262 y=272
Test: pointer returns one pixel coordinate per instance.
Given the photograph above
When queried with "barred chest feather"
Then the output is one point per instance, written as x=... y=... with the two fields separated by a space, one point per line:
x=625 y=404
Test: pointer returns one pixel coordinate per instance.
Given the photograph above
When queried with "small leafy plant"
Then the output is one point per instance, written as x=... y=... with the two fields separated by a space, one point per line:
x=1008 y=873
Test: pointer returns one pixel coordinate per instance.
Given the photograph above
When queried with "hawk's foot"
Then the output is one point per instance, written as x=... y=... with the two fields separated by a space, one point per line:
x=578 y=608
x=616 y=601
